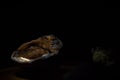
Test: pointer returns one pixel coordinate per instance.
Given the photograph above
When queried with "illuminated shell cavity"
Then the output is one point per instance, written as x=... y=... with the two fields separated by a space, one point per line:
x=40 y=48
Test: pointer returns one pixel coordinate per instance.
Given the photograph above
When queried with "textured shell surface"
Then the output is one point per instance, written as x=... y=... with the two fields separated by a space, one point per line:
x=41 y=48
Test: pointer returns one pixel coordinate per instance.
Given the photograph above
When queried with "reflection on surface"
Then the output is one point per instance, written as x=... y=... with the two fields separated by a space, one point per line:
x=10 y=74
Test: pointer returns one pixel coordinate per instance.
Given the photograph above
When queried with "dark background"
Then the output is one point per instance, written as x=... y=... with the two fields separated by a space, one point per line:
x=12 y=3
x=39 y=4
x=75 y=57
x=111 y=4
x=30 y=3
x=78 y=34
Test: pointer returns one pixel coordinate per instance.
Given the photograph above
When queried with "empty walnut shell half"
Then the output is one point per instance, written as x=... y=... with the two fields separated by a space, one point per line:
x=40 y=48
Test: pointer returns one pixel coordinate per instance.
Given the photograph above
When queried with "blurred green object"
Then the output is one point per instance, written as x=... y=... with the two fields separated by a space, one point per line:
x=103 y=56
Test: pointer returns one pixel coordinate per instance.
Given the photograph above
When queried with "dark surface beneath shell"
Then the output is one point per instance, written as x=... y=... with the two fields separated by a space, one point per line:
x=74 y=61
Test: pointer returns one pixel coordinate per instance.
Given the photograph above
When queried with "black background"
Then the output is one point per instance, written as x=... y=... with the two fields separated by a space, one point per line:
x=111 y=4
x=76 y=51
x=38 y=4
x=78 y=34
